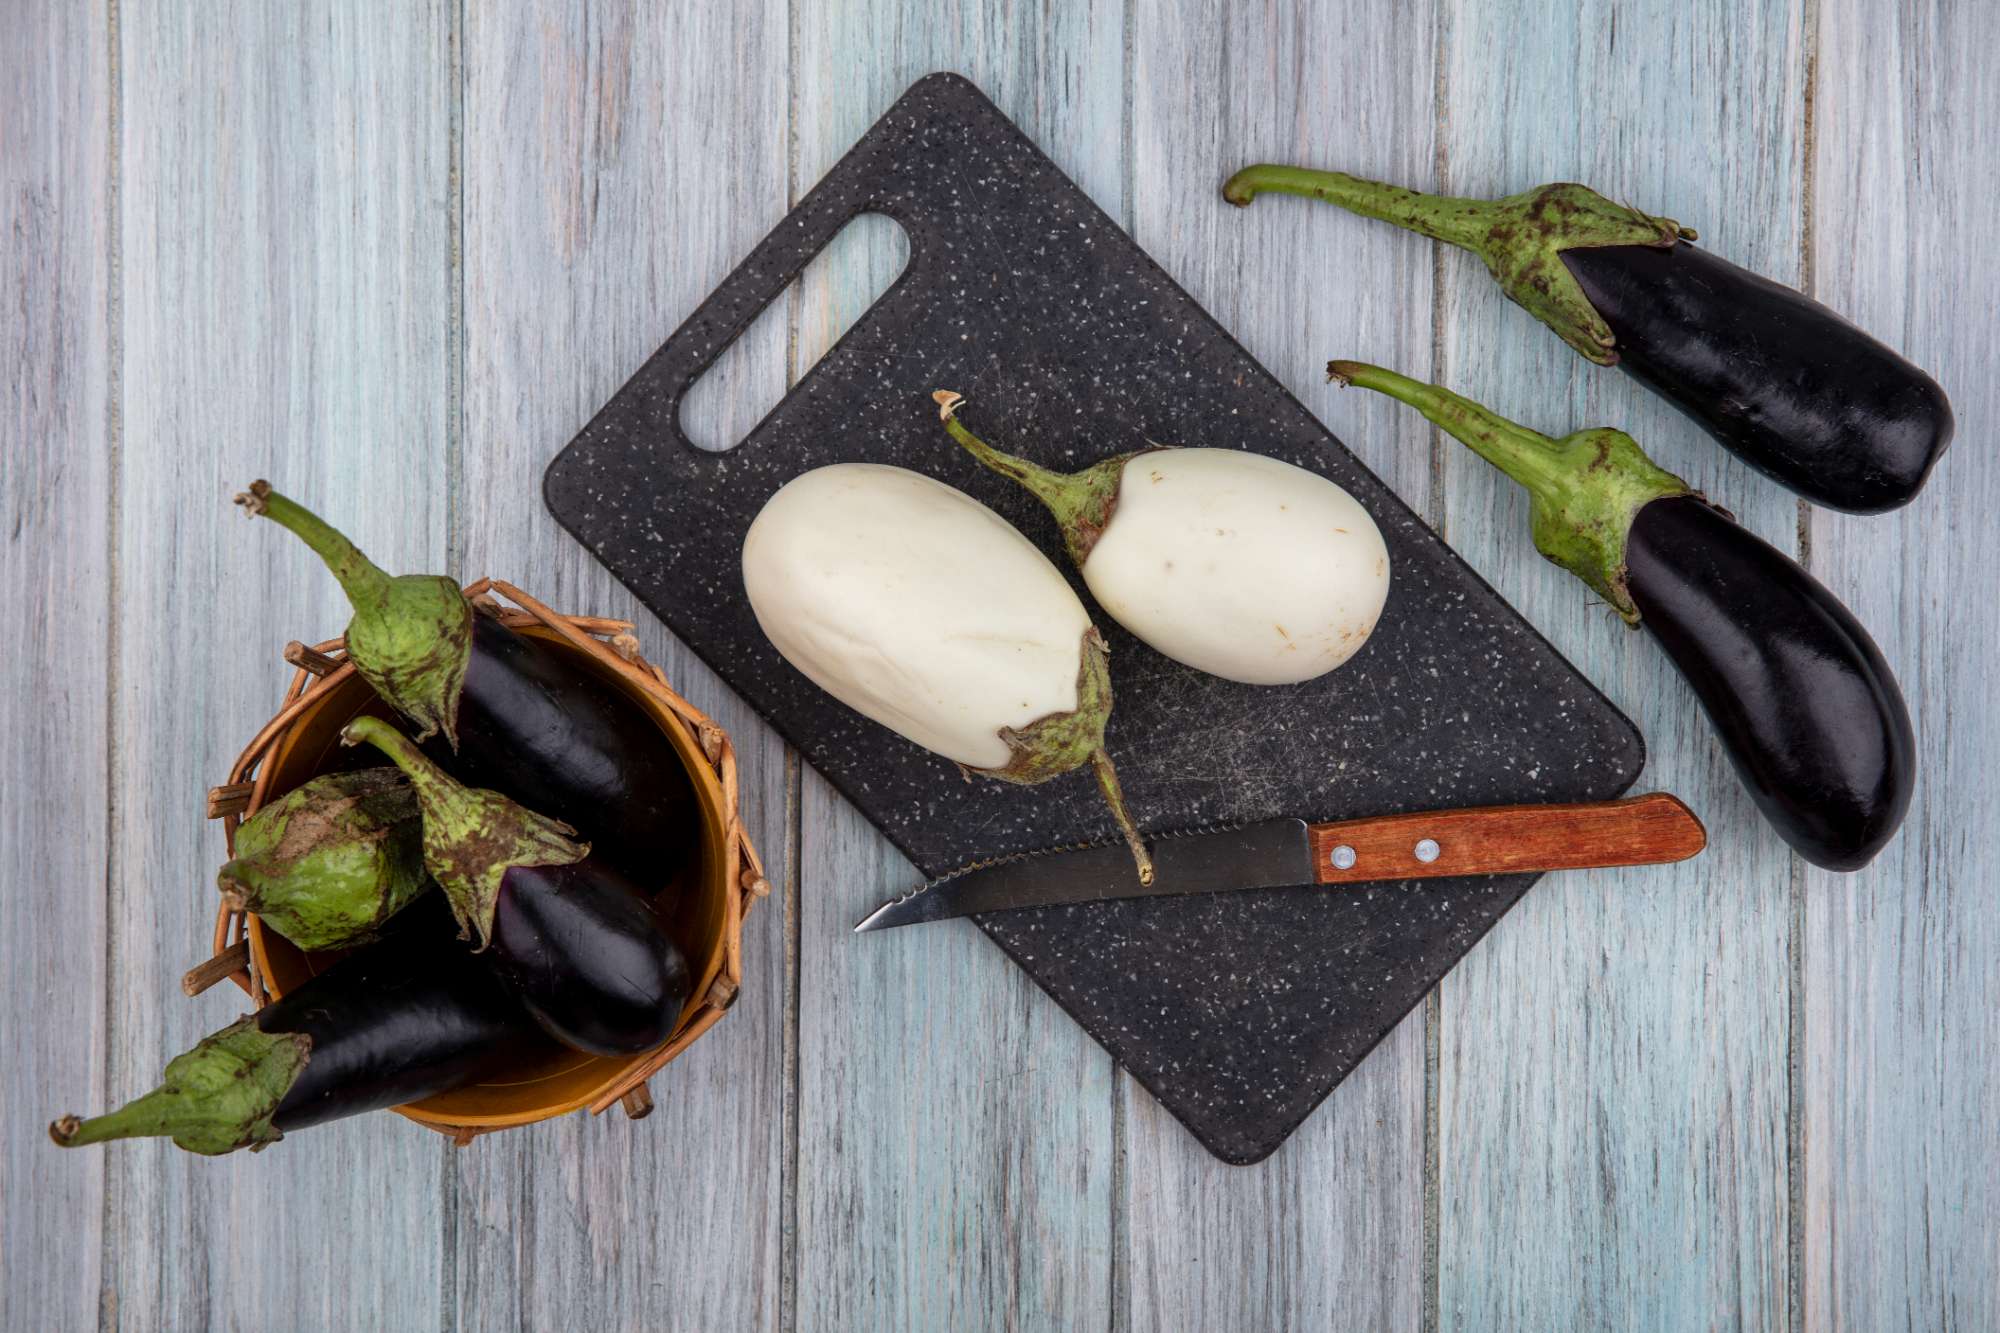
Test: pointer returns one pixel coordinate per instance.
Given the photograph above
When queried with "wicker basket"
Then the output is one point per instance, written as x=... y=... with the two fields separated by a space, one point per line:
x=711 y=898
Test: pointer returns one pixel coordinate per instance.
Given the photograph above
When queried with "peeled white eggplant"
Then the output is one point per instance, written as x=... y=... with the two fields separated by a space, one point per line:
x=919 y=607
x=1234 y=563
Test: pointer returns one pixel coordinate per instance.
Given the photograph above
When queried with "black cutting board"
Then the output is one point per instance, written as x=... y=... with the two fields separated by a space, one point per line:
x=1239 y=1011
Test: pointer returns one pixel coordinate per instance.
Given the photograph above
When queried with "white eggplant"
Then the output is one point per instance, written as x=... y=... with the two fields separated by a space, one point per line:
x=1234 y=563
x=919 y=607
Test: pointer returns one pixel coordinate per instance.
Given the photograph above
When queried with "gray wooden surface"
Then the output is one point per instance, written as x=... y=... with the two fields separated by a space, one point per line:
x=392 y=256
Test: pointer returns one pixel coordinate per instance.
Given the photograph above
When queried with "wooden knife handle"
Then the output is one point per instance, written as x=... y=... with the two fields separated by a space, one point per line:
x=1508 y=839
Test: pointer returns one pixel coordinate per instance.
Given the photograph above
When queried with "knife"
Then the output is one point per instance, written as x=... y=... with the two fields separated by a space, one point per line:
x=1487 y=840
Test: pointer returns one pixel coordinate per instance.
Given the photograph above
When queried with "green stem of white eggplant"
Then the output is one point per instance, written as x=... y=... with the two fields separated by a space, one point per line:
x=1114 y=796
x=1082 y=502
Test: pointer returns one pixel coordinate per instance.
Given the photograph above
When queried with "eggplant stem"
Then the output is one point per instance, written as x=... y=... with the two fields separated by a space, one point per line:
x=472 y=836
x=400 y=749
x=1442 y=217
x=365 y=583
x=1081 y=502
x=1584 y=490
x=1114 y=796
x=1528 y=456
x=158 y=1113
x=1045 y=485
x=1521 y=237
x=220 y=1096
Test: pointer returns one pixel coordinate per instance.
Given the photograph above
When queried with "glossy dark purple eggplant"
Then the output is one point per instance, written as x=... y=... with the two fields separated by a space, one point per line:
x=504 y=710
x=535 y=725
x=576 y=941
x=407 y=1017
x=1808 y=712
x=1777 y=378
x=1806 y=708
x=587 y=956
x=399 y=1021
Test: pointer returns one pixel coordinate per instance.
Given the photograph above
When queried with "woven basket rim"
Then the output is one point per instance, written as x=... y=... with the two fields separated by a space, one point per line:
x=613 y=644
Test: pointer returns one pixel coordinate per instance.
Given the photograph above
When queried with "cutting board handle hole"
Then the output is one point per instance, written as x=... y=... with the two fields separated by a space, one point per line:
x=798 y=327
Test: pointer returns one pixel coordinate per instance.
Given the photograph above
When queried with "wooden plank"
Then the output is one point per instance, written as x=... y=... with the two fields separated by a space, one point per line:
x=284 y=196
x=1332 y=1226
x=55 y=501
x=285 y=265
x=618 y=161
x=955 y=1148
x=1612 y=1075
x=1901 y=1075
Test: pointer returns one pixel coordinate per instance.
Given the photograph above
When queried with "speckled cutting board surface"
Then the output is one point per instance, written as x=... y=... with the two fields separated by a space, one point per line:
x=1239 y=1011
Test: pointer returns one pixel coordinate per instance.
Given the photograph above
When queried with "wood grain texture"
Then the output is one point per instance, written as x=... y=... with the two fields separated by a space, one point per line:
x=1612 y=1078
x=234 y=246
x=1507 y=839
x=1331 y=1227
x=955 y=1149
x=1901 y=1076
x=285 y=254
x=55 y=505
x=618 y=160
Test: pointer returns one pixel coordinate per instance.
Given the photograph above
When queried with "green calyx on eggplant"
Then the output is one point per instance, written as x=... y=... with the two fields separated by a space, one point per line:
x=1807 y=709
x=1060 y=743
x=568 y=934
x=411 y=634
x=1226 y=560
x=222 y=1095
x=395 y=1021
x=1082 y=502
x=1584 y=489
x=328 y=863
x=925 y=611
x=506 y=710
x=1521 y=238
x=1775 y=377
x=471 y=836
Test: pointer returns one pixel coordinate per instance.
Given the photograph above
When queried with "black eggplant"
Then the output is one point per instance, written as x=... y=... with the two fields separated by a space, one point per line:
x=1805 y=704
x=1777 y=378
x=1781 y=381
x=569 y=935
x=327 y=864
x=1807 y=710
x=506 y=711
x=397 y=1021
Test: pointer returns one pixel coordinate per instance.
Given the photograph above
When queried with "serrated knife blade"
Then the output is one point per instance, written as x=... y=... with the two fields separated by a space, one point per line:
x=1488 y=840
x=1277 y=851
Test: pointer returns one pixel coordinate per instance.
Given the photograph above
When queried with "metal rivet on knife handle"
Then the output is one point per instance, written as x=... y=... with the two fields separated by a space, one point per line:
x=1426 y=850
x=1343 y=857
